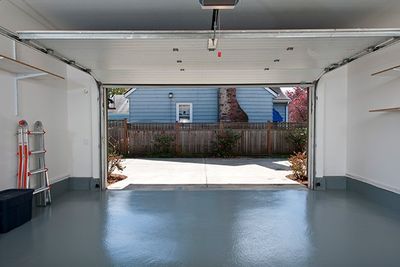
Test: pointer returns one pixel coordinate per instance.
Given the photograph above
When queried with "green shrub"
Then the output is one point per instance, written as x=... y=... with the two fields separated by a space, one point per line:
x=226 y=141
x=163 y=144
x=298 y=138
x=114 y=160
x=298 y=164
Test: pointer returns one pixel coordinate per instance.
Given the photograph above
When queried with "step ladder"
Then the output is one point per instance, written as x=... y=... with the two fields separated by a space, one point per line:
x=32 y=170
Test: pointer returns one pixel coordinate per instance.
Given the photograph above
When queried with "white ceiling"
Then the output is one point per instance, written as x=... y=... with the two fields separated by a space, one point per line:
x=187 y=14
x=153 y=61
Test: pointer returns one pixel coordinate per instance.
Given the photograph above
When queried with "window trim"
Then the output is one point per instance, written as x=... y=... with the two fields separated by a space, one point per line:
x=177 y=112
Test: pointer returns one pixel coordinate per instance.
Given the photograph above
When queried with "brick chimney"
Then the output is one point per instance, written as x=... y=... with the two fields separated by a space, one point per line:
x=229 y=107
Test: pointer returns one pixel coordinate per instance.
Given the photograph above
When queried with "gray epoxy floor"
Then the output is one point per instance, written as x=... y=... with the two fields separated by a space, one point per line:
x=290 y=227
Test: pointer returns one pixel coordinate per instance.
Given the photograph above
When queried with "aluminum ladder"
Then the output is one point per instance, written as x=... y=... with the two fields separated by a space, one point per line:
x=32 y=170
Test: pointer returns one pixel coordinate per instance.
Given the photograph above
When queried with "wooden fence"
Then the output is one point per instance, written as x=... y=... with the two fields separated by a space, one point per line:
x=137 y=139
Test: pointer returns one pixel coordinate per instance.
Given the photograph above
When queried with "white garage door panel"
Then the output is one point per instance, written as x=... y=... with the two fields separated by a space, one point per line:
x=244 y=60
x=207 y=77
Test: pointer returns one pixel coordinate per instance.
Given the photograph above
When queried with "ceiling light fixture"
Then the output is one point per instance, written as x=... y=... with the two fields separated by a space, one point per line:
x=218 y=4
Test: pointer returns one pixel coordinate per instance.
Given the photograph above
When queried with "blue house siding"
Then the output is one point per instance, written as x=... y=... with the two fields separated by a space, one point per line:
x=256 y=102
x=153 y=104
x=280 y=108
x=112 y=116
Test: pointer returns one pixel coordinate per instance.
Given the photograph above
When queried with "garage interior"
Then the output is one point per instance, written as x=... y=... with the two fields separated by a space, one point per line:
x=56 y=58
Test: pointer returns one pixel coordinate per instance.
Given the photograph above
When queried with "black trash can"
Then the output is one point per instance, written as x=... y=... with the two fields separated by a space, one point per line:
x=15 y=208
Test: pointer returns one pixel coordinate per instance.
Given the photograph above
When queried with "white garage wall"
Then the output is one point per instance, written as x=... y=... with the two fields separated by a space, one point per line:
x=351 y=141
x=331 y=124
x=8 y=158
x=83 y=124
x=46 y=102
x=38 y=100
x=373 y=138
x=67 y=108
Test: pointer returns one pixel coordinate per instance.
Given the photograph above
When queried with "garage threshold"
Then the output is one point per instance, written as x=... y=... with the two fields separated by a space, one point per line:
x=209 y=187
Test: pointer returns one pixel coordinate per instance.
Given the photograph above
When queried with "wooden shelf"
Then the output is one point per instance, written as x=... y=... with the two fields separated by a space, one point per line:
x=386 y=110
x=390 y=72
x=23 y=70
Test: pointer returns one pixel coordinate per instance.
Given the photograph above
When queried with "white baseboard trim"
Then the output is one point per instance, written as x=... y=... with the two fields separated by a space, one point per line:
x=371 y=182
x=59 y=179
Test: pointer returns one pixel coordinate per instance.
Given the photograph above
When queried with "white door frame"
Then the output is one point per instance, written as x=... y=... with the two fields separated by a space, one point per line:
x=103 y=103
x=311 y=135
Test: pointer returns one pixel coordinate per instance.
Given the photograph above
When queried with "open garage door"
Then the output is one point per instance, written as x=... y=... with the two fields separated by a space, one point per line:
x=242 y=58
x=182 y=57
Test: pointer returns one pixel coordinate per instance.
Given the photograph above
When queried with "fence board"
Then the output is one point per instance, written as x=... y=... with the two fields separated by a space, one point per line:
x=137 y=139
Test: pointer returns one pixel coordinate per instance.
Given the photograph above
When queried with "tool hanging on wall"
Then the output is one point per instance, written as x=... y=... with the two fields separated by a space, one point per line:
x=31 y=162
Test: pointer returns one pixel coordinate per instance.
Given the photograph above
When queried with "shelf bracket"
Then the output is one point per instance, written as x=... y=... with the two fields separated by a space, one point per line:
x=21 y=71
x=27 y=76
x=16 y=90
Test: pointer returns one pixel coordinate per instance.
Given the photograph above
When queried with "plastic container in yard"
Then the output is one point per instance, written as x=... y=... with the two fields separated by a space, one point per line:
x=15 y=208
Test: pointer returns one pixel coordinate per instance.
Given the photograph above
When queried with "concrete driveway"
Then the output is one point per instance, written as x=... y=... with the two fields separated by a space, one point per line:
x=204 y=171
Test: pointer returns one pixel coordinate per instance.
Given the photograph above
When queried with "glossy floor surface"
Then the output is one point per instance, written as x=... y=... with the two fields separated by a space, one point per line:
x=293 y=227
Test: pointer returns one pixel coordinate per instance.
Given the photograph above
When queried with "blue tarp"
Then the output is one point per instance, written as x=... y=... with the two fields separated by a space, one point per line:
x=276 y=116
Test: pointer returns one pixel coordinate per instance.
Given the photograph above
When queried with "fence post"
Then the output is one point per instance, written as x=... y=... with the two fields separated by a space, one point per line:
x=269 y=138
x=125 y=149
x=177 y=138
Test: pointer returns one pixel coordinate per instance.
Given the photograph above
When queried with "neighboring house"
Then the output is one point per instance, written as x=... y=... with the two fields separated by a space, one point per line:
x=118 y=107
x=165 y=105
